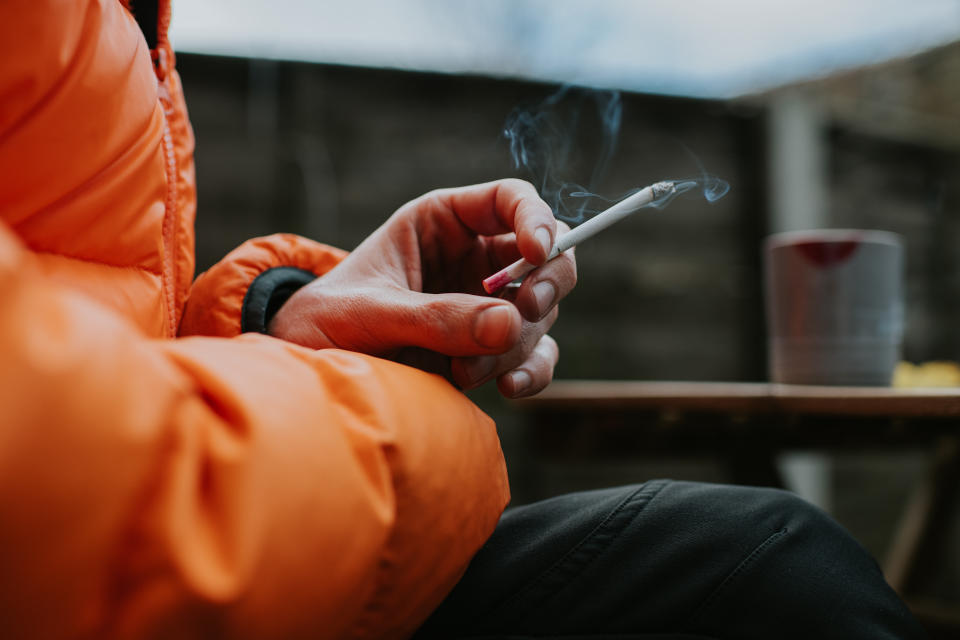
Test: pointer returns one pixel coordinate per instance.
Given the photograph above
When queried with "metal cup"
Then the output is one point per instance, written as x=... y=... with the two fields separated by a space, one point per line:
x=834 y=301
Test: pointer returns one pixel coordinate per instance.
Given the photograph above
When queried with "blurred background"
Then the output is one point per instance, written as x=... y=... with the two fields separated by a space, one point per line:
x=321 y=118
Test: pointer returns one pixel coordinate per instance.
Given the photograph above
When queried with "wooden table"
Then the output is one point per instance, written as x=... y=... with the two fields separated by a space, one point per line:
x=747 y=424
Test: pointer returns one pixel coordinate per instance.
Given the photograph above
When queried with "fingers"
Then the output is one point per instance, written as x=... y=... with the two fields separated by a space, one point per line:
x=379 y=320
x=505 y=206
x=452 y=324
x=469 y=373
x=534 y=374
x=545 y=286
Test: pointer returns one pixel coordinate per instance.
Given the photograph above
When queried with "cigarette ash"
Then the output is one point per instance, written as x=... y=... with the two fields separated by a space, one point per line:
x=711 y=187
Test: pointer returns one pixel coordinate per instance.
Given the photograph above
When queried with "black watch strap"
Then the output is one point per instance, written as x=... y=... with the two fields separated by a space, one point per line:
x=267 y=293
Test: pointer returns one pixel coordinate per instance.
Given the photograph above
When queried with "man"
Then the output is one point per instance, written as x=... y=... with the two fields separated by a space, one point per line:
x=322 y=481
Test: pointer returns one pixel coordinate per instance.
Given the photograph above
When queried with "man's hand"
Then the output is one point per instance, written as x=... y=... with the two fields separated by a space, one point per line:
x=412 y=290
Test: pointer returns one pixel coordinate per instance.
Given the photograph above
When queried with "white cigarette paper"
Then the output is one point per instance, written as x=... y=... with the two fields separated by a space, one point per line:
x=575 y=236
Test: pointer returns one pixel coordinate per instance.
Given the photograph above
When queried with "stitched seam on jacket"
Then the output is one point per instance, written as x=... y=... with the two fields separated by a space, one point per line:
x=599 y=534
x=740 y=569
x=169 y=229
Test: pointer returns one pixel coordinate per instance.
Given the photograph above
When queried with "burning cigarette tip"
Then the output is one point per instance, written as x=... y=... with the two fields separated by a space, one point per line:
x=662 y=189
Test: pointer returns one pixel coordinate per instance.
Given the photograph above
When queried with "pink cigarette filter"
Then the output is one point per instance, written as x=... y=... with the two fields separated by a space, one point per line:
x=594 y=225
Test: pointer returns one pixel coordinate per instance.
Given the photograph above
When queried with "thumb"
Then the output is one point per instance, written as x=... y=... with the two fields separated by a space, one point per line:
x=454 y=324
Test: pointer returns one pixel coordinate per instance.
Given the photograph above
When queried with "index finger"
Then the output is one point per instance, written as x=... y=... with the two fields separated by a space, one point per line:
x=503 y=206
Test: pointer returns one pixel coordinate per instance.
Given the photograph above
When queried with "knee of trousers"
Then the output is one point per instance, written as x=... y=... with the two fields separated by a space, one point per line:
x=801 y=535
x=769 y=552
x=755 y=524
x=730 y=516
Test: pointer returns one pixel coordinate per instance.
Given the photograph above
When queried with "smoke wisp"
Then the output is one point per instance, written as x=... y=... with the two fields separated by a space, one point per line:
x=553 y=140
x=575 y=131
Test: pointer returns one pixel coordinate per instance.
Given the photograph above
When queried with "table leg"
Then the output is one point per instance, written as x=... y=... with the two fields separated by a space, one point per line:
x=924 y=517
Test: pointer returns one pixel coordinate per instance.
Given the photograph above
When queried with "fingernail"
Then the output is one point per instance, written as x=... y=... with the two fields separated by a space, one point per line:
x=543 y=237
x=520 y=381
x=479 y=368
x=544 y=293
x=492 y=327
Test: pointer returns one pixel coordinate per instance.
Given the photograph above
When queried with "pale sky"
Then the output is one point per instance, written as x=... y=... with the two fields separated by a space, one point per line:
x=685 y=47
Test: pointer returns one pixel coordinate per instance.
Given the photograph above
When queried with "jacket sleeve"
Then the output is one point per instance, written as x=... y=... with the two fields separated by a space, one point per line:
x=241 y=293
x=210 y=487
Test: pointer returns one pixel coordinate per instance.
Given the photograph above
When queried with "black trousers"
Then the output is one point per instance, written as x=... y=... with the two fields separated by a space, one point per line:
x=672 y=560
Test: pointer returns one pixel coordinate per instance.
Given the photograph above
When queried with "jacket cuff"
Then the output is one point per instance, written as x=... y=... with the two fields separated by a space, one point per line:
x=243 y=291
x=267 y=293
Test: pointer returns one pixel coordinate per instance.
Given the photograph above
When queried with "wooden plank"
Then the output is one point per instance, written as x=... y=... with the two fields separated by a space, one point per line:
x=712 y=396
x=748 y=398
x=933 y=402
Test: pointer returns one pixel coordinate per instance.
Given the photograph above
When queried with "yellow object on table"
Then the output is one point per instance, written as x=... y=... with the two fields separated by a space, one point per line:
x=938 y=373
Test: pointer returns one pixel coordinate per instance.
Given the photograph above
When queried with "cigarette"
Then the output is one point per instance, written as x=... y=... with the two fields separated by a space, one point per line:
x=575 y=236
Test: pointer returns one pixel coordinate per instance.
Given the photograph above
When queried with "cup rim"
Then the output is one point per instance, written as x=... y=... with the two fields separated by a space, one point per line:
x=809 y=236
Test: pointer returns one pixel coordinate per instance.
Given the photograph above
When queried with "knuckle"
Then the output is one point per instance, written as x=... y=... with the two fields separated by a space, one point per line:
x=526 y=347
x=430 y=202
x=525 y=198
x=435 y=194
x=518 y=184
x=431 y=313
x=428 y=198
x=571 y=264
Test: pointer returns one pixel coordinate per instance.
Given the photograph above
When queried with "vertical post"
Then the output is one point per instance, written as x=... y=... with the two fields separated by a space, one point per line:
x=797 y=169
x=798 y=192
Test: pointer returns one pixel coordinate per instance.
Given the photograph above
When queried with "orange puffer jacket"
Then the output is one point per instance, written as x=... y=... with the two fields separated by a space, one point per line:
x=222 y=486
